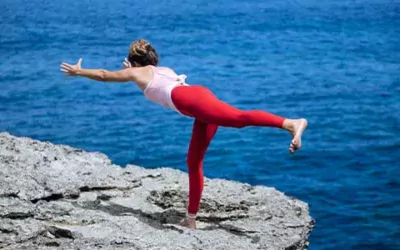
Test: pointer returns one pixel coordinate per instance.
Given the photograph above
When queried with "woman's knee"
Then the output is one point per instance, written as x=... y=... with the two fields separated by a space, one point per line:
x=240 y=120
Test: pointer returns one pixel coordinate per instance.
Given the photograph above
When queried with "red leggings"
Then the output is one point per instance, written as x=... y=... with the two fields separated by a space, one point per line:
x=209 y=113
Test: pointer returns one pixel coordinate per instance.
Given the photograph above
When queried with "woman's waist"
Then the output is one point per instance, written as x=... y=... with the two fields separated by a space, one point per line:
x=162 y=95
x=164 y=88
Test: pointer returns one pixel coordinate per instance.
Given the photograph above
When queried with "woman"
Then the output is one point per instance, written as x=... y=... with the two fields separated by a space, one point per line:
x=162 y=85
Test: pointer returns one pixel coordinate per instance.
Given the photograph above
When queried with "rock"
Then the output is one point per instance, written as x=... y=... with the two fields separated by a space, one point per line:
x=55 y=196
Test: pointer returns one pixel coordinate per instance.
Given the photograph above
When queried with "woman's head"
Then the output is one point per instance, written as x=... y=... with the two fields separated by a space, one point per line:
x=141 y=54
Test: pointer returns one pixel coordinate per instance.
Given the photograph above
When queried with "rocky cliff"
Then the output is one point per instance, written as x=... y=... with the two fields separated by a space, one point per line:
x=59 y=197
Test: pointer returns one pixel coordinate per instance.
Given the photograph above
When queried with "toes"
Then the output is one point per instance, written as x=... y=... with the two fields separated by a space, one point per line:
x=291 y=148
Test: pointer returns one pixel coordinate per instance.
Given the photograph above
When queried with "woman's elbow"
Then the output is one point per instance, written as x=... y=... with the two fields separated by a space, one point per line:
x=102 y=76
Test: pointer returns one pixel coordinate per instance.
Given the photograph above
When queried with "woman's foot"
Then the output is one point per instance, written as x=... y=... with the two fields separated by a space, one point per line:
x=296 y=128
x=188 y=222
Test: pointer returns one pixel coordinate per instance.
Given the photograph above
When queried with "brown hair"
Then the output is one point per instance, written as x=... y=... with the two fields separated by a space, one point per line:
x=141 y=54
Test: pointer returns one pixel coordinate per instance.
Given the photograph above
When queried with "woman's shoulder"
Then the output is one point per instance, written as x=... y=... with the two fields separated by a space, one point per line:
x=165 y=70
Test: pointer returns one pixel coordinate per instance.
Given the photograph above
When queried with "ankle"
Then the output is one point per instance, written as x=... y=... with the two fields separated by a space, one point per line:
x=288 y=124
x=190 y=215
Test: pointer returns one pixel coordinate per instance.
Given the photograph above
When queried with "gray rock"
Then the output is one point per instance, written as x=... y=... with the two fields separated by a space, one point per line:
x=58 y=197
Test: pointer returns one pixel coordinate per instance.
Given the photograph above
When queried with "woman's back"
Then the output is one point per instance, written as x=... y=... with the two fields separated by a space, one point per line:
x=159 y=88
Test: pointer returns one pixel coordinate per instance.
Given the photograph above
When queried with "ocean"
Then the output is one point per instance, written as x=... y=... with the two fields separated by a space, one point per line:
x=336 y=63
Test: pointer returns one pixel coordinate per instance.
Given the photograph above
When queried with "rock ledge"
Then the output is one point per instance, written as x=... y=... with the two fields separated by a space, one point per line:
x=59 y=197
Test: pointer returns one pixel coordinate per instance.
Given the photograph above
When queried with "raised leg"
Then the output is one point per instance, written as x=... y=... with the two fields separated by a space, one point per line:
x=200 y=103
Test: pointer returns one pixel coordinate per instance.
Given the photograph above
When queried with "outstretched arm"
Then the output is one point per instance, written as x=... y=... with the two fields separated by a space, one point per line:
x=125 y=75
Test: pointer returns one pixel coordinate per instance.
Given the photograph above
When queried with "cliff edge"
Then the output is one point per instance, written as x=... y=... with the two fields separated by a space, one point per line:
x=59 y=197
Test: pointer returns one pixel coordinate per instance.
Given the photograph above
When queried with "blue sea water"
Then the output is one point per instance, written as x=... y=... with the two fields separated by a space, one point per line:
x=335 y=62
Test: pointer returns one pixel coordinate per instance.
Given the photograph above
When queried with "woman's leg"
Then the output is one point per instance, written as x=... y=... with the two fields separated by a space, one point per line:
x=202 y=135
x=200 y=103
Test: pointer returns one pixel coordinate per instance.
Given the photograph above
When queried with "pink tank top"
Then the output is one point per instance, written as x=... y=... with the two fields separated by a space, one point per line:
x=159 y=89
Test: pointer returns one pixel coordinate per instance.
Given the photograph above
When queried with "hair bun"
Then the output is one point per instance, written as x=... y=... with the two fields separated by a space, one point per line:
x=142 y=53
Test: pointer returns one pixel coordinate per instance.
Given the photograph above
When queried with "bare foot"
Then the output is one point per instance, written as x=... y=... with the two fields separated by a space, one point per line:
x=296 y=129
x=188 y=222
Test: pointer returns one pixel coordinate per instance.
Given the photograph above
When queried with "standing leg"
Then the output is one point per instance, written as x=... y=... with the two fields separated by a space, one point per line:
x=201 y=137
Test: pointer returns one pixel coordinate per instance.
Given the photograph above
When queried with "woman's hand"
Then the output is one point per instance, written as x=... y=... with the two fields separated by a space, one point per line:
x=71 y=70
x=126 y=64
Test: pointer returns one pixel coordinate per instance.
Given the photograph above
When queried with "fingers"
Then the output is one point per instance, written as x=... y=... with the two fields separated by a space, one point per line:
x=66 y=69
x=66 y=72
x=69 y=66
x=66 y=66
x=127 y=63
